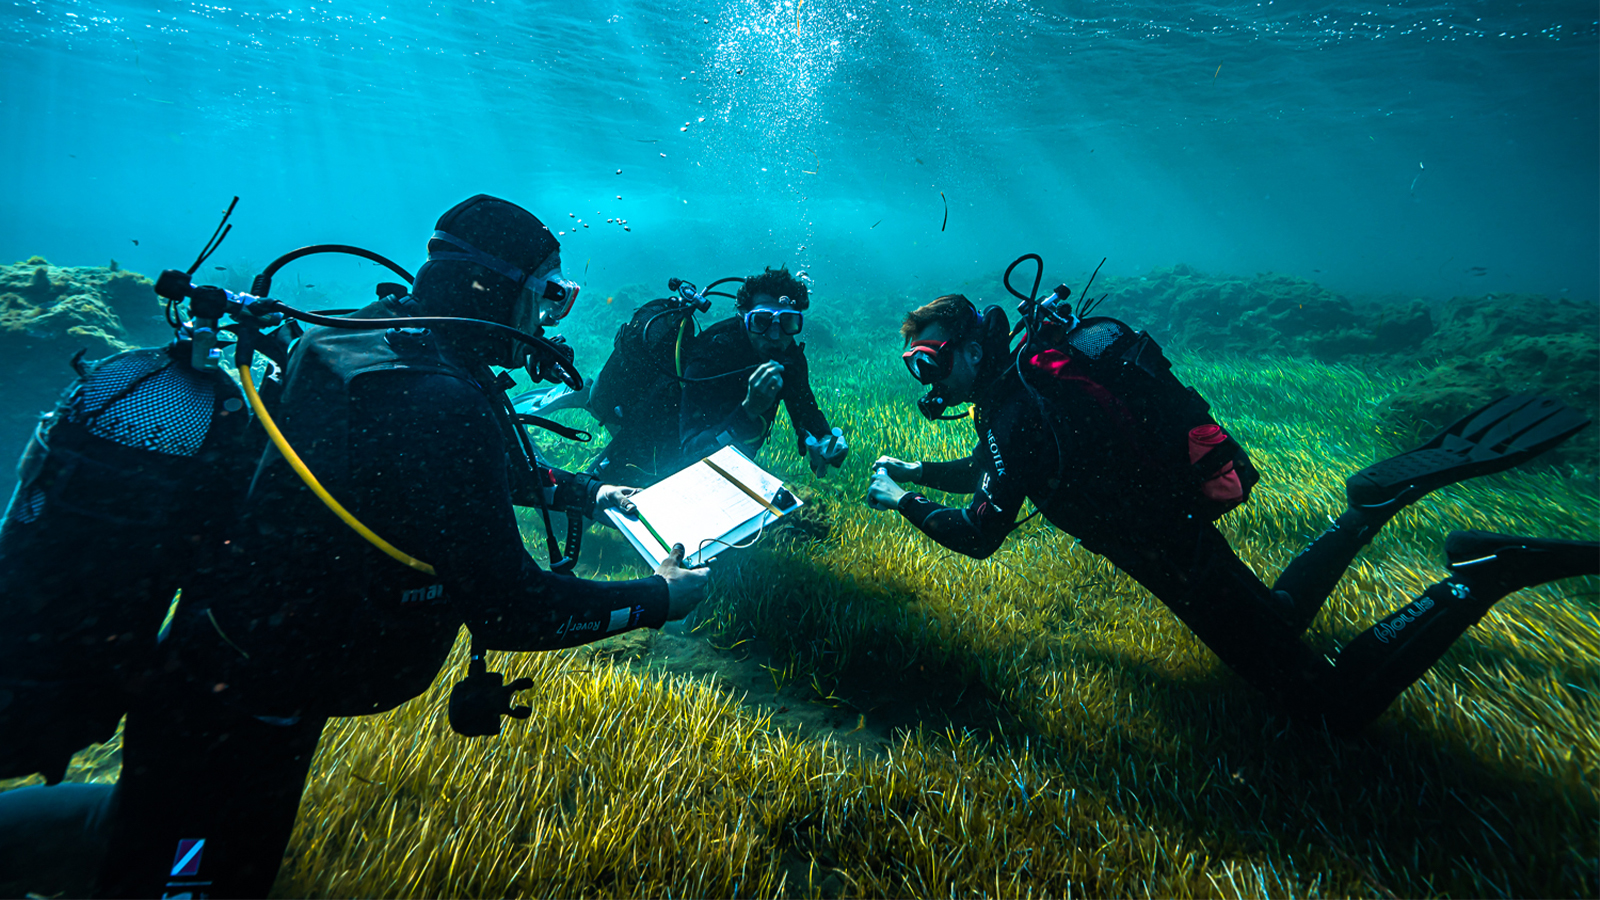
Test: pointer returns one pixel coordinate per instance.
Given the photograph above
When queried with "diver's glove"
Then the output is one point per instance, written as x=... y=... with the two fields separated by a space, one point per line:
x=478 y=701
x=826 y=451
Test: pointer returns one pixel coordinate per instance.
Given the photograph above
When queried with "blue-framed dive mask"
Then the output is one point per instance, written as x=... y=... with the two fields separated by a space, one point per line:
x=760 y=321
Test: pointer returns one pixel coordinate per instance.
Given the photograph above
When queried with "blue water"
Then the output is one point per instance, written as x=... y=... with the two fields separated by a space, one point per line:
x=1376 y=148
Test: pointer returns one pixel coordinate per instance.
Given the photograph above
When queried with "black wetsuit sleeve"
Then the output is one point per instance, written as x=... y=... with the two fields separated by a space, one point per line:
x=981 y=527
x=956 y=476
x=712 y=415
x=804 y=413
x=433 y=462
x=551 y=488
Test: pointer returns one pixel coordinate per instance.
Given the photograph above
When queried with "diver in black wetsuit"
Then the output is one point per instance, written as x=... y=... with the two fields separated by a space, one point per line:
x=125 y=488
x=739 y=370
x=306 y=620
x=1070 y=455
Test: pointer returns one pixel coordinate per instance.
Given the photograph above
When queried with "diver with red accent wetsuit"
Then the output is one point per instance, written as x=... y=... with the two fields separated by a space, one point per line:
x=1064 y=446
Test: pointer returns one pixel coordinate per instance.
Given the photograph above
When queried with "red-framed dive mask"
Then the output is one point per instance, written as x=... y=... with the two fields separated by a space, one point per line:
x=930 y=362
x=555 y=294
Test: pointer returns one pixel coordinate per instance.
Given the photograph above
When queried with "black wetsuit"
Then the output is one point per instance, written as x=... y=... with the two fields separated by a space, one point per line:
x=127 y=485
x=711 y=416
x=1120 y=508
x=309 y=621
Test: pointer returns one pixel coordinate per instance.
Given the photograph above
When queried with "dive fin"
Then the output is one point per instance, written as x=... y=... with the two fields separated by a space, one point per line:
x=1518 y=562
x=547 y=400
x=1498 y=436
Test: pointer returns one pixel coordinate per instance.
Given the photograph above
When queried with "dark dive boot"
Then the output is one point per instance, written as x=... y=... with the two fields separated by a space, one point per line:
x=1508 y=431
x=1514 y=562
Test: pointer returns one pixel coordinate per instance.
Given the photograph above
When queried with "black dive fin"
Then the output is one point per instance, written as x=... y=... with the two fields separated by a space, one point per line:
x=1498 y=436
x=1519 y=562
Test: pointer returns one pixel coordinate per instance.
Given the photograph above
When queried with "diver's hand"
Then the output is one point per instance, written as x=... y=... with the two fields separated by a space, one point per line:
x=762 y=390
x=826 y=451
x=611 y=496
x=478 y=701
x=685 y=587
x=883 y=493
x=899 y=469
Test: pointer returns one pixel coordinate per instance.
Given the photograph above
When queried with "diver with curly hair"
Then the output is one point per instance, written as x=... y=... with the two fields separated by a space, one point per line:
x=734 y=375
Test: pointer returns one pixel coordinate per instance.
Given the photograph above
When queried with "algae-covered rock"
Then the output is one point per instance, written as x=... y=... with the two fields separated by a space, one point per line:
x=1472 y=326
x=1481 y=348
x=1566 y=366
x=1268 y=314
x=49 y=313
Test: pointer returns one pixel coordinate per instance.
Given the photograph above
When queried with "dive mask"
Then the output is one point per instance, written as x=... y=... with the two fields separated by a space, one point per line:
x=555 y=294
x=759 y=321
x=930 y=362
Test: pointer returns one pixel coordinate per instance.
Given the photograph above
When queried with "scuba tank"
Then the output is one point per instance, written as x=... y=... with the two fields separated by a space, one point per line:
x=641 y=381
x=130 y=485
x=1167 y=425
x=127 y=485
x=639 y=392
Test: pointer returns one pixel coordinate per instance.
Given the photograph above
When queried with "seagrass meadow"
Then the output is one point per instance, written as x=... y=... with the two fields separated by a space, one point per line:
x=1034 y=724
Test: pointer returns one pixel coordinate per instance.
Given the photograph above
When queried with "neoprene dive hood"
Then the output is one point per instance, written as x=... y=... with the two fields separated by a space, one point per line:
x=508 y=241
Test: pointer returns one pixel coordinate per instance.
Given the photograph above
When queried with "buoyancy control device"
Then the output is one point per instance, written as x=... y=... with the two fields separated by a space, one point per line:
x=1167 y=424
x=162 y=436
x=642 y=381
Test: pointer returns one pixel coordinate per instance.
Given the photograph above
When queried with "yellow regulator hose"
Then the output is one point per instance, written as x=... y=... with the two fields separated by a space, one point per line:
x=300 y=469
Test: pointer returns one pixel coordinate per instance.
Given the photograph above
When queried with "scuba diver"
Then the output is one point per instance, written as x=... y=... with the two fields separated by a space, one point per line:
x=670 y=395
x=1085 y=420
x=720 y=407
x=125 y=487
x=387 y=442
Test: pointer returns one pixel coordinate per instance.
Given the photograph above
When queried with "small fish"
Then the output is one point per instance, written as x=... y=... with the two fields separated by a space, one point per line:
x=135 y=241
x=310 y=285
x=876 y=224
x=220 y=268
x=1216 y=73
x=1478 y=270
x=946 y=210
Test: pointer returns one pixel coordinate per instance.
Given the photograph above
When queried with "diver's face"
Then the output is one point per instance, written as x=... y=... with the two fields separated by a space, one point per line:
x=771 y=343
x=960 y=385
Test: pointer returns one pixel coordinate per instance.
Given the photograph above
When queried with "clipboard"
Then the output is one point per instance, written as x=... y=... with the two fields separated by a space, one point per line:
x=707 y=507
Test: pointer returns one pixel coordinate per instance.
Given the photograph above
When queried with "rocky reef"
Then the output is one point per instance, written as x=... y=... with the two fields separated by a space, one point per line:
x=47 y=315
x=1273 y=314
x=1469 y=350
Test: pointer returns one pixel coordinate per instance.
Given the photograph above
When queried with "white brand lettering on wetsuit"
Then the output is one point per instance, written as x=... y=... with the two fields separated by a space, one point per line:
x=569 y=625
x=994 y=449
x=418 y=595
x=1387 y=631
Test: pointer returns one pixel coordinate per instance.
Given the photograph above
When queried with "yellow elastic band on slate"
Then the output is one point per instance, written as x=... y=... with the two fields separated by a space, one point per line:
x=279 y=441
x=743 y=487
